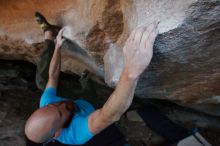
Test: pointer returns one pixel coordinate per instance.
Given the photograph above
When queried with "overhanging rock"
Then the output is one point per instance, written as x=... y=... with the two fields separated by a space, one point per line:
x=186 y=63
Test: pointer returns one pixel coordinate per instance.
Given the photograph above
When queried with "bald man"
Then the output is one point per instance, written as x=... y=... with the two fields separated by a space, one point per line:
x=76 y=122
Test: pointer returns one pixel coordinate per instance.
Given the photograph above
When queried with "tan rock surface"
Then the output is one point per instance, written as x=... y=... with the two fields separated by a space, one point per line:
x=185 y=67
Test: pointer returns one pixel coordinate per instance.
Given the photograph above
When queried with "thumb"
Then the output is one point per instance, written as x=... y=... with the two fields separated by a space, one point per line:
x=60 y=33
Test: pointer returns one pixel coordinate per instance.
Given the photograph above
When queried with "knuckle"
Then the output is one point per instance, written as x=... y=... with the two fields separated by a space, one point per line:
x=140 y=29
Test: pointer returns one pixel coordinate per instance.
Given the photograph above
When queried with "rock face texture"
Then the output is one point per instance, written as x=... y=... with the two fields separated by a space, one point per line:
x=186 y=63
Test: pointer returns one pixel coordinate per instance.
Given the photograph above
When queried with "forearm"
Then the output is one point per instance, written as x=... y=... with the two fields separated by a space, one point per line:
x=138 y=51
x=121 y=98
x=117 y=104
x=54 y=69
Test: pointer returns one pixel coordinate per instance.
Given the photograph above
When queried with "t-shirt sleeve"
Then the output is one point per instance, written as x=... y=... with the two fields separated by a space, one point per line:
x=77 y=133
x=49 y=96
x=81 y=130
x=85 y=107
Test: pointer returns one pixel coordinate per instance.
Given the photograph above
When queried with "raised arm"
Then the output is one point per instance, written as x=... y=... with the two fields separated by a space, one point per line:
x=55 y=63
x=138 y=51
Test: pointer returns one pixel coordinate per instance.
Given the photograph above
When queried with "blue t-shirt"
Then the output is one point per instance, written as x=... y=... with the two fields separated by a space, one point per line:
x=78 y=131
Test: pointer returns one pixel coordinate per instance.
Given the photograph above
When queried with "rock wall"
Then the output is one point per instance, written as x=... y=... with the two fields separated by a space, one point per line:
x=186 y=63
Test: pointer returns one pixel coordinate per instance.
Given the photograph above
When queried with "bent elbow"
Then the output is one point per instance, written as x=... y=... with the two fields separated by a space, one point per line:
x=108 y=117
x=116 y=118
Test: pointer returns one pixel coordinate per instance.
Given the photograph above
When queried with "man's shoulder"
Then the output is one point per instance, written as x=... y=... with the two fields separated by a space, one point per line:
x=49 y=97
x=84 y=106
x=77 y=132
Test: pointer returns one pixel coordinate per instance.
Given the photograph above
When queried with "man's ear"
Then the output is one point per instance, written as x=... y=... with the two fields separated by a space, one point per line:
x=57 y=133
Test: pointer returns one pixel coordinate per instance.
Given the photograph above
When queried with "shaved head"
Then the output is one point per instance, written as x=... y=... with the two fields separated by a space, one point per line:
x=45 y=123
x=42 y=124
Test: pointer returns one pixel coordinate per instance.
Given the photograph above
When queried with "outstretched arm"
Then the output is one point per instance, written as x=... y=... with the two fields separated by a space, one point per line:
x=138 y=52
x=55 y=63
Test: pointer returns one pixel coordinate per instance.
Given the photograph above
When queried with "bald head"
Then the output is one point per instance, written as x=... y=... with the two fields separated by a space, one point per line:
x=42 y=124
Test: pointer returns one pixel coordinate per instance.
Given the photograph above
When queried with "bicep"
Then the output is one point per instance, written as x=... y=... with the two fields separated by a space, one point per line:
x=52 y=83
x=98 y=122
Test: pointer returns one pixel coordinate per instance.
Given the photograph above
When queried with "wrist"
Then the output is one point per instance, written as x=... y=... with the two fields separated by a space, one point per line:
x=129 y=77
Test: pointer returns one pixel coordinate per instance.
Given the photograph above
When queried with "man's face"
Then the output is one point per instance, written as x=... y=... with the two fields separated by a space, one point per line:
x=64 y=111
